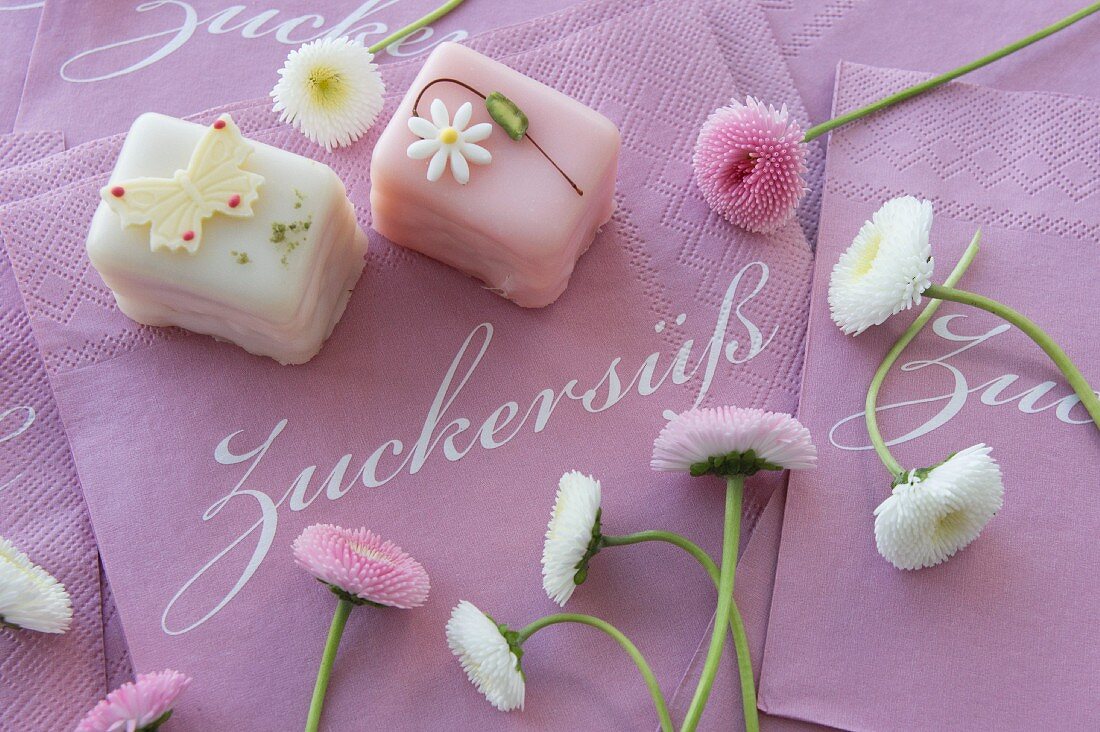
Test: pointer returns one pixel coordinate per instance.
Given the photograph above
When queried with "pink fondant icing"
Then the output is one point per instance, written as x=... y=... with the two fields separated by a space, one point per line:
x=518 y=225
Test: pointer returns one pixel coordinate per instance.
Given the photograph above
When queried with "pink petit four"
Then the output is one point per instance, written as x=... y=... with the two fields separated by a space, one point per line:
x=494 y=174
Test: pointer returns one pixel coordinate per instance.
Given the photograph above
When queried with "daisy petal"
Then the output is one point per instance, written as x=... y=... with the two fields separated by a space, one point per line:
x=423 y=128
x=476 y=154
x=478 y=132
x=459 y=169
x=728 y=440
x=486 y=656
x=362 y=564
x=462 y=117
x=422 y=149
x=573 y=523
x=30 y=597
x=439 y=162
x=439 y=114
x=137 y=704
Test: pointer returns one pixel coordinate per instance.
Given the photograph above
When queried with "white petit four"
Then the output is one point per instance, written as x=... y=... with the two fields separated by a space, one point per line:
x=203 y=229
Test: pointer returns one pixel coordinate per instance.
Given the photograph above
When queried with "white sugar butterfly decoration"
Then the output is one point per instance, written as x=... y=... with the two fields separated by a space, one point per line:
x=213 y=182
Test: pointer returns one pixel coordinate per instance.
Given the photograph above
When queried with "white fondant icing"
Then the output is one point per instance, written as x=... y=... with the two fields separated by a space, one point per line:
x=269 y=283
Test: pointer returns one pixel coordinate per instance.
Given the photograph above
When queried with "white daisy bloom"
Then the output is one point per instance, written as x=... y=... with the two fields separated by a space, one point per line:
x=887 y=267
x=445 y=139
x=939 y=510
x=486 y=656
x=569 y=533
x=330 y=90
x=30 y=597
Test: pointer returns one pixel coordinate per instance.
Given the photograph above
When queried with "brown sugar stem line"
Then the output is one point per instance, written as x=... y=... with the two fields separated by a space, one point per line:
x=472 y=90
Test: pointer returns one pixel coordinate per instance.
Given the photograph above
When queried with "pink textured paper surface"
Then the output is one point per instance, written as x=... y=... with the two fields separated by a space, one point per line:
x=180 y=58
x=475 y=521
x=813 y=35
x=41 y=508
x=996 y=637
x=18 y=25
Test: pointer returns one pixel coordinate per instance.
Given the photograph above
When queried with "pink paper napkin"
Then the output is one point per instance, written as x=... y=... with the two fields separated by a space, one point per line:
x=79 y=560
x=998 y=637
x=813 y=35
x=19 y=23
x=473 y=516
x=41 y=509
x=102 y=64
x=753 y=594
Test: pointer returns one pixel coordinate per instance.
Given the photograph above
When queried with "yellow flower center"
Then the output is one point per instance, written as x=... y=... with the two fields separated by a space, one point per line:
x=448 y=136
x=327 y=87
x=369 y=553
x=951 y=524
x=867 y=256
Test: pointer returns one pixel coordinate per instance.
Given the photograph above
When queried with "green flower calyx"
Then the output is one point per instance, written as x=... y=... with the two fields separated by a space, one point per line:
x=733 y=463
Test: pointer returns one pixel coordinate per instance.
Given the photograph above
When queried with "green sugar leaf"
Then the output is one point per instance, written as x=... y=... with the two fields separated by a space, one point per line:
x=506 y=114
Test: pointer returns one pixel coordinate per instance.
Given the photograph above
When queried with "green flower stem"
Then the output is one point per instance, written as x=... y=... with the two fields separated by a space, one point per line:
x=668 y=537
x=735 y=486
x=870 y=408
x=339 y=620
x=737 y=625
x=1085 y=392
x=622 y=640
x=916 y=89
x=416 y=25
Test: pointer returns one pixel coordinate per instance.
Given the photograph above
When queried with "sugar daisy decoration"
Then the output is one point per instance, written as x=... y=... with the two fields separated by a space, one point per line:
x=444 y=139
x=749 y=158
x=732 y=443
x=30 y=597
x=142 y=705
x=331 y=90
x=360 y=568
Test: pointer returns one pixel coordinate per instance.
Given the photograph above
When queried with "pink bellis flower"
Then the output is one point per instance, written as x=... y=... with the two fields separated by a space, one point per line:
x=732 y=443
x=360 y=568
x=141 y=705
x=750 y=158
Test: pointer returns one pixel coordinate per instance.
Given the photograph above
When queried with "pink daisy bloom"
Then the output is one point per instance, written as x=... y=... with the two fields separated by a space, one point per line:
x=361 y=567
x=732 y=441
x=749 y=163
x=137 y=706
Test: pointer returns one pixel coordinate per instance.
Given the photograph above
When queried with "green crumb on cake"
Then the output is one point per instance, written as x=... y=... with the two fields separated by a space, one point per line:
x=289 y=236
x=300 y=196
x=278 y=233
x=240 y=257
